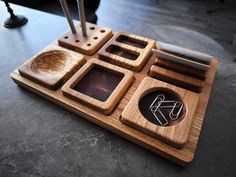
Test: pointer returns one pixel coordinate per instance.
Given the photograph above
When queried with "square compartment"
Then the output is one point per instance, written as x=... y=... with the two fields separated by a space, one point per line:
x=176 y=131
x=99 y=85
x=96 y=37
x=52 y=67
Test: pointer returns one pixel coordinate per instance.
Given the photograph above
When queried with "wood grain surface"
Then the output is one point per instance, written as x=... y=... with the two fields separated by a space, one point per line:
x=127 y=50
x=52 y=67
x=96 y=37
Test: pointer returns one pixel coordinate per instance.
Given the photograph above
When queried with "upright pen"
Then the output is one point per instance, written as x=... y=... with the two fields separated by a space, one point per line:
x=67 y=14
x=80 y=4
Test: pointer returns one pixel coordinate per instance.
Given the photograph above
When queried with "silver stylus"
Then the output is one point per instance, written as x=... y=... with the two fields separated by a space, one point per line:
x=67 y=14
x=80 y=4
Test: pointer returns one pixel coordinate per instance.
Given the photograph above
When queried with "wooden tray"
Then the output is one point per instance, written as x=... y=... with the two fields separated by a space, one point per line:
x=112 y=121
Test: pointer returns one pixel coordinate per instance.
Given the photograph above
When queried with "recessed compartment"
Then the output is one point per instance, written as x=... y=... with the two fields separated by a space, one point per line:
x=122 y=52
x=127 y=50
x=52 y=68
x=131 y=41
x=162 y=110
x=98 y=85
x=96 y=37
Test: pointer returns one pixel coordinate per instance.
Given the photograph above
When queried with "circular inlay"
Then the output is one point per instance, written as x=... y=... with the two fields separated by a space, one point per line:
x=51 y=62
x=162 y=107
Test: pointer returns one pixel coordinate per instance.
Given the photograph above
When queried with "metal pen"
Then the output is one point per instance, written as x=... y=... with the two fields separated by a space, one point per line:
x=80 y=4
x=67 y=14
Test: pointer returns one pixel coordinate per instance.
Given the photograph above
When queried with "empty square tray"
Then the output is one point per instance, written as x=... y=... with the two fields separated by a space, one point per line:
x=98 y=84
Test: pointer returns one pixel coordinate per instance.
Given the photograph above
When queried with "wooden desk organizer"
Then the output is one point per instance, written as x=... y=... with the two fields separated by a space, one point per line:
x=127 y=50
x=152 y=137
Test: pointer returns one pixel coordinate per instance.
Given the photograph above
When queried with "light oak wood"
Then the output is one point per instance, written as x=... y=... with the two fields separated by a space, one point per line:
x=175 y=78
x=114 y=51
x=96 y=37
x=112 y=122
x=107 y=106
x=182 y=69
x=175 y=135
x=52 y=67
